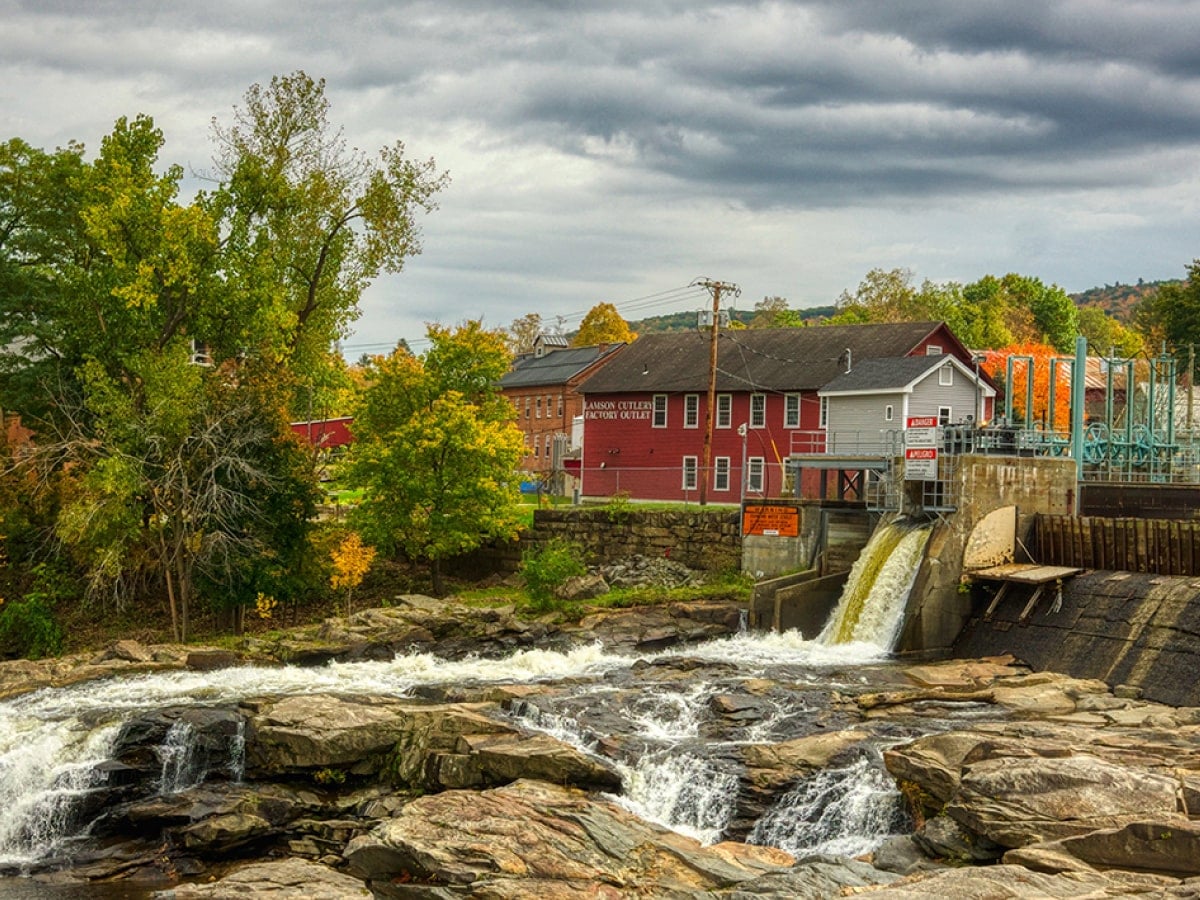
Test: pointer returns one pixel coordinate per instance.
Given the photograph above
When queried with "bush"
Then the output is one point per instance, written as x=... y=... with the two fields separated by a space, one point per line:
x=547 y=568
x=28 y=626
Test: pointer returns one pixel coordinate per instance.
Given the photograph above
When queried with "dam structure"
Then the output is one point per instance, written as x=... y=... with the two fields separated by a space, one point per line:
x=1073 y=548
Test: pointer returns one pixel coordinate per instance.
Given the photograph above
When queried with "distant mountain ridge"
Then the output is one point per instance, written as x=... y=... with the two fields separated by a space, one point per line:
x=1120 y=300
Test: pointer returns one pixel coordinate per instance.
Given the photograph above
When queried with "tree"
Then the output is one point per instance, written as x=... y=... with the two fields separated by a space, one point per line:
x=1106 y=335
x=1031 y=312
x=1172 y=314
x=307 y=222
x=774 y=312
x=603 y=325
x=523 y=332
x=996 y=365
x=436 y=452
x=166 y=476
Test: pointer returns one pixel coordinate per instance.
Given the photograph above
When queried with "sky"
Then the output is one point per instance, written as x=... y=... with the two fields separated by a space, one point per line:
x=619 y=151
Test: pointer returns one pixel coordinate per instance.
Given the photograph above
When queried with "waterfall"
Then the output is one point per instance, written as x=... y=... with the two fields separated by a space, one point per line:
x=678 y=755
x=845 y=811
x=871 y=608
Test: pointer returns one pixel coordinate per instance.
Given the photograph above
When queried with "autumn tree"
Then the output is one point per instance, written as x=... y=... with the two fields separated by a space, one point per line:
x=436 y=451
x=603 y=325
x=158 y=345
x=1035 y=359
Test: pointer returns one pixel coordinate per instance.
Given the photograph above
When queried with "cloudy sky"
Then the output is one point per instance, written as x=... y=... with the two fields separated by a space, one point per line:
x=616 y=151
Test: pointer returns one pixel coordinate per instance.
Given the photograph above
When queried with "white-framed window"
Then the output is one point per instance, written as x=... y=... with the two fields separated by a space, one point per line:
x=691 y=410
x=944 y=414
x=758 y=410
x=946 y=375
x=933 y=349
x=560 y=405
x=660 y=411
x=755 y=469
x=724 y=410
x=549 y=401
x=528 y=404
x=888 y=413
x=549 y=445
x=538 y=405
x=691 y=470
x=537 y=447
x=823 y=422
x=721 y=473
x=791 y=410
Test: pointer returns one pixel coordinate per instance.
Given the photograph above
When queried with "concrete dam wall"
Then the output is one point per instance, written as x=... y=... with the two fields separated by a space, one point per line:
x=1124 y=628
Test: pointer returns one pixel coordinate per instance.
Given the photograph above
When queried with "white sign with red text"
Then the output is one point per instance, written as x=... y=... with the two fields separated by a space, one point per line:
x=920 y=464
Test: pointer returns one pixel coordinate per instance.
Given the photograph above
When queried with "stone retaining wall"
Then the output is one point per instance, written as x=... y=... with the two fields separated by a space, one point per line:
x=707 y=539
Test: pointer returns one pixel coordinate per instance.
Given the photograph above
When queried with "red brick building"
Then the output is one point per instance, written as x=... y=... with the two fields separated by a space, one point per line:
x=543 y=389
x=645 y=411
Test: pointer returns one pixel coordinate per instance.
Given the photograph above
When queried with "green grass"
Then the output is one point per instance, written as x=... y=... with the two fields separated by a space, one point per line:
x=723 y=586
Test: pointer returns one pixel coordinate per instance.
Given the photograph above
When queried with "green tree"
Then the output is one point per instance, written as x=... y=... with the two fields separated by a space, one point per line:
x=436 y=452
x=1026 y=308
x=1172 y=314
x=307 y=223
x=161 y=476
x=603 y=325
x=1105 y=334
x=774 y=312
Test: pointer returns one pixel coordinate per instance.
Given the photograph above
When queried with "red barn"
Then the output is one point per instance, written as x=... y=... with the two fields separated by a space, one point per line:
x=645 y=411
x=326 y=434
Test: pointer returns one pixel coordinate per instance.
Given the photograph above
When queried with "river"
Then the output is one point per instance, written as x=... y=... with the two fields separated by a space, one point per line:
x=674 y=723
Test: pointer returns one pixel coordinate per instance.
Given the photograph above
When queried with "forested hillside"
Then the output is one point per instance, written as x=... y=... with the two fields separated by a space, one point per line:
x=1119 y=300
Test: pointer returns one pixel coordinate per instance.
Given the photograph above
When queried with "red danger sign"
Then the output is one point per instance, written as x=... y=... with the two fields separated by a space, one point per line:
x=922 y=421
x=920 y=453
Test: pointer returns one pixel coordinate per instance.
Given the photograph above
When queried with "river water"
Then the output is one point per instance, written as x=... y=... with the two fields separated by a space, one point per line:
x=675 y=724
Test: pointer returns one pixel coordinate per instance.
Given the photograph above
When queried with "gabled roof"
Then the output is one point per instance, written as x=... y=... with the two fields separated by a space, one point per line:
x=558 y=367
x=775 y=359
x=895 y=375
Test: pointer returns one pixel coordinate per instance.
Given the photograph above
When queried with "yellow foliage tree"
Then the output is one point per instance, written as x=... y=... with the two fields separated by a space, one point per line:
x=603 y=325
x=351 y=561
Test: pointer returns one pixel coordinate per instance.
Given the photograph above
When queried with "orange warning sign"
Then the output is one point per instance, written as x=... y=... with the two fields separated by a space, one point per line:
x=775 y=521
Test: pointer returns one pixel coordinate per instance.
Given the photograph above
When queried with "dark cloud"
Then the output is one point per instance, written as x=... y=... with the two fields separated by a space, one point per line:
x=593 y=144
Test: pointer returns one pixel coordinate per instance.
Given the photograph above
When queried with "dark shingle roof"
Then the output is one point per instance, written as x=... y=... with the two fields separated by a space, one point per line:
x=777 y=359
x=886 y=374
x=558 y=367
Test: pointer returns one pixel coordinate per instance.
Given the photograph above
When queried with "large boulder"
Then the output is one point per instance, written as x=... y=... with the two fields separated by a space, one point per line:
x=1008 y=882
x=361 y=735
x=1165 y=846
x=772 y=769
x=426 y=746
x=1015 y=801
x=534 y=839
x=285 y=879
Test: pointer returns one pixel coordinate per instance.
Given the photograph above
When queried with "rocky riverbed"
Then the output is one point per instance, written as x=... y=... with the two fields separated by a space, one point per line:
x=434 y=751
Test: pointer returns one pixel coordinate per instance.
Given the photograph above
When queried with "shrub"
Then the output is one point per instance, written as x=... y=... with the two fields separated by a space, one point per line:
x=547 y=568
x=28 y=626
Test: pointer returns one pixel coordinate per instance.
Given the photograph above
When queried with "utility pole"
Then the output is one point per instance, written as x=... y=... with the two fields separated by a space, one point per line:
x=716 y=288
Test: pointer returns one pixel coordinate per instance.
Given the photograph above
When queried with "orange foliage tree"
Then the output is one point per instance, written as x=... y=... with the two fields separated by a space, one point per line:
x=996 y=365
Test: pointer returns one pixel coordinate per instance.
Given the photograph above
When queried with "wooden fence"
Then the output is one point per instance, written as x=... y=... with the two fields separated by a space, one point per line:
x=1158 y=546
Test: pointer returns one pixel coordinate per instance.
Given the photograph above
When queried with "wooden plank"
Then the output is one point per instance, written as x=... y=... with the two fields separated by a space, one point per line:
x=1024 y=617
x=991 y=610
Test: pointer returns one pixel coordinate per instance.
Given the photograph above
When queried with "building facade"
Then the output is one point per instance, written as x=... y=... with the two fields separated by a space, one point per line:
x=646 y=413
x=543 y=389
